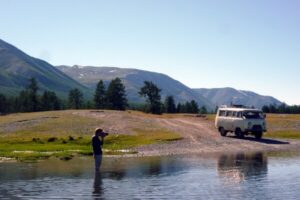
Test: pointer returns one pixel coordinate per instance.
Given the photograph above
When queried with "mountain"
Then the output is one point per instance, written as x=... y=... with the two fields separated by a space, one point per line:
x=133 y=79
x=16 y=67
x=226 y=96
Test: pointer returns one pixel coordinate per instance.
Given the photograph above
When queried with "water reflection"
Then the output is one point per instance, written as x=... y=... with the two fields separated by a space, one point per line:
x=80 y=167
x=238 y=176
x=76 y=168
x=121 y=168
x=98 y=186
x=236 y=168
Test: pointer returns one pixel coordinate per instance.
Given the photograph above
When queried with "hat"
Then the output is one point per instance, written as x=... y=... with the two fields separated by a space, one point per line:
x=98 y=130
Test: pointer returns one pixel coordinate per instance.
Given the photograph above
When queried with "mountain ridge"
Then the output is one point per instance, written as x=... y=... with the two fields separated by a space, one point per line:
x=229 y=95
x=17 y=67
x=133 y=79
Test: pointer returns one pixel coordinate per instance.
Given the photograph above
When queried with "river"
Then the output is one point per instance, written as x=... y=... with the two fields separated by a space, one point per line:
x=227 y=176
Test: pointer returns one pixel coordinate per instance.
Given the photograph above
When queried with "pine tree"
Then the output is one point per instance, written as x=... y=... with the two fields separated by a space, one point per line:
x=100 y=97
x=49 y=101
x=265 y=109
x=188 y=107
x=23 y=101
x=75 y=98
x=170 y=105
x=194 y=107
x=116 y=95
x=178 y=108
x=89 y=105
x=3 y=104
x=152 y=92
x=203 y=110
x=28 y=100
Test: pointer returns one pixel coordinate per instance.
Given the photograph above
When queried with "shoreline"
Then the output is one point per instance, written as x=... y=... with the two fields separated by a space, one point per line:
x=63 y=134
x=144 y=154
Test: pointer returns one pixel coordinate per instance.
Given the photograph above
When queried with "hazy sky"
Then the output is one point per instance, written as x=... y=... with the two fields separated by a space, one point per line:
x=246 y=44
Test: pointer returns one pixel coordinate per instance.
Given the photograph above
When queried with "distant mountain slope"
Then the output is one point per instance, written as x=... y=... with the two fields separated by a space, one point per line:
x=226 y=96
x=16 y=68
x=133 y=80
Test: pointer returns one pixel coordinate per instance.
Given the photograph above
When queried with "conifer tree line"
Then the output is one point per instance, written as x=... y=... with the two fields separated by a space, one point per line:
x=113 y=97
x=31 y=99
x=282 y=108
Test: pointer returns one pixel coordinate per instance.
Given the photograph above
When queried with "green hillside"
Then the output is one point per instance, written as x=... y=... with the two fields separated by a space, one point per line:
x=16 y=68
x=133 y=80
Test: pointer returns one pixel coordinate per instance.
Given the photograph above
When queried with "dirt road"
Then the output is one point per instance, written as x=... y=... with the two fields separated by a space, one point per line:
x=200 y=136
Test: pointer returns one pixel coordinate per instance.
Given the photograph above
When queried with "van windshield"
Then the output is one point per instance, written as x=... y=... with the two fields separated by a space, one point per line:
x=253 y=115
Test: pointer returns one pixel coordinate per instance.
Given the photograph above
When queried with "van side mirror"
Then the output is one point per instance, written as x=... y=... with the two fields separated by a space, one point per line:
x=265 y=116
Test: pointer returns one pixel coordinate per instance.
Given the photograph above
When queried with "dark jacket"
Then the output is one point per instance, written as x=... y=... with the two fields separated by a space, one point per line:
x=97 y=145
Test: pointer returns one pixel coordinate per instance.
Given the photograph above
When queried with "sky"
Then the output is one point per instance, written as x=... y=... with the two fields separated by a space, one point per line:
x=245 y=44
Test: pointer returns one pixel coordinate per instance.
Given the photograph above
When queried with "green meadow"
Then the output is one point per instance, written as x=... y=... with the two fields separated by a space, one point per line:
x=40 y=135
x=283 y=126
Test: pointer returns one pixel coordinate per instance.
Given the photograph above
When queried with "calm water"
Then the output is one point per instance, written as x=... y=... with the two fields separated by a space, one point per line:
x=240 y=176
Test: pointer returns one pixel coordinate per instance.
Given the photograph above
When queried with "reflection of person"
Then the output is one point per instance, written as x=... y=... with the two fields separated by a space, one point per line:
x=97 y=147
x=98 y=185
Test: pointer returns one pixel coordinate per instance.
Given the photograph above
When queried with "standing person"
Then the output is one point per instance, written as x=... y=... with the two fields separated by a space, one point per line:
x=97 y=147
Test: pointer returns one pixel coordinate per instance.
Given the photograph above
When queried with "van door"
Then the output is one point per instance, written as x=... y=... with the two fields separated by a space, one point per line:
x=220 y=119
x=239 y=122
x=228 y=121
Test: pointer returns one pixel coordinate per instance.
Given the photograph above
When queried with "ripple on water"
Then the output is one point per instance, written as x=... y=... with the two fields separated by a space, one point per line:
x=228 y=176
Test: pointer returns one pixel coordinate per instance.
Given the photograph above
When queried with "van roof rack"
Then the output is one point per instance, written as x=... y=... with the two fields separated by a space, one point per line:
x=236 y=106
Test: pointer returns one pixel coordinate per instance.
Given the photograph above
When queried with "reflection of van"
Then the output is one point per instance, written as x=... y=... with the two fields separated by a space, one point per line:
x=241 y=121
x=238 y=167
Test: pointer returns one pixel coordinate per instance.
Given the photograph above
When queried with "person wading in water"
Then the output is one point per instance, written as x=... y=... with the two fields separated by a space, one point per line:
x=97 y=147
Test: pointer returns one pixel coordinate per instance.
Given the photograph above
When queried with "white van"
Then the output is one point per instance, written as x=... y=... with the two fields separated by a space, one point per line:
x=241 y=121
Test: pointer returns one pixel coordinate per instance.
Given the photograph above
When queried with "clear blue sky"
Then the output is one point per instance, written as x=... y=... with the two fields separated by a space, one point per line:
x=246 y=44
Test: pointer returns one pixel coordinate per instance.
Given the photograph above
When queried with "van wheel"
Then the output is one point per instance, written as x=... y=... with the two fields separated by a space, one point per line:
x=239 y=133
x=258 y=135
x=222 y=131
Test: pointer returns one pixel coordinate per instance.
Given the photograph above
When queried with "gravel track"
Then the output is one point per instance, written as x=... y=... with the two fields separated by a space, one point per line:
x=200 y=136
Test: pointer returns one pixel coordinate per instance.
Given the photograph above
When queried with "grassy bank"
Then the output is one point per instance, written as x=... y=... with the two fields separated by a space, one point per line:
x=283 y=126
x=32 y=136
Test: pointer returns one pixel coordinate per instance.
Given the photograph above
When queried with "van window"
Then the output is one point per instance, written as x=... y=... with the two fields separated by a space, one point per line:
x=221 y=113
x=234 y=114
x=239 y=114
x=228 y=113
x=253 y=115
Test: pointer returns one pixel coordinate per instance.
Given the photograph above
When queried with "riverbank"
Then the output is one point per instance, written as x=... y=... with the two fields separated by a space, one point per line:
x=63 y=134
